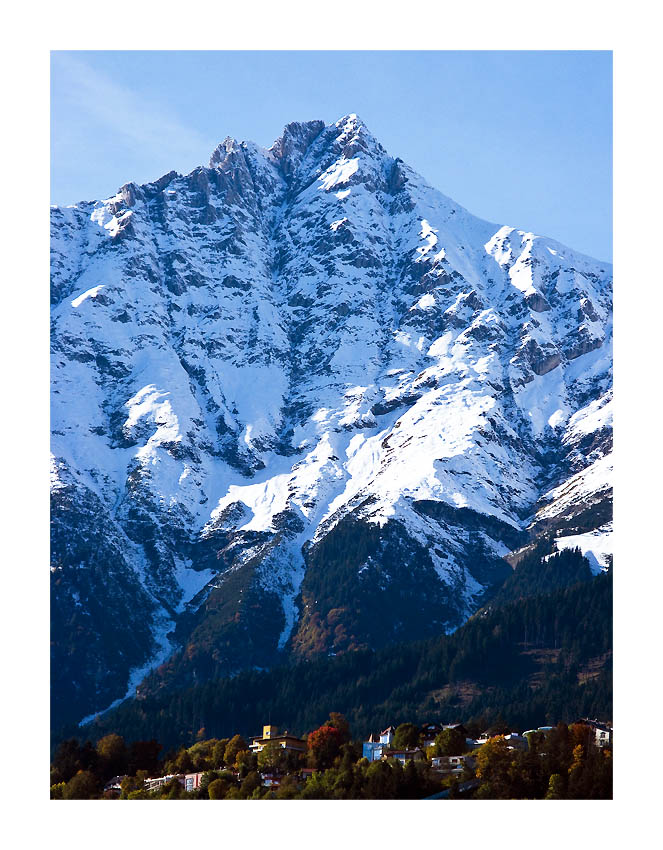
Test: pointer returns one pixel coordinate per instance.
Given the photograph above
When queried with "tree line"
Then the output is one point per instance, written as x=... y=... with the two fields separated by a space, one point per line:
x=562 y=763
x=531 y=662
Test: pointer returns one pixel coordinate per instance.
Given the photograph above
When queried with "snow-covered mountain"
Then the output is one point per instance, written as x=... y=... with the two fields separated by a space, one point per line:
x=303 y=402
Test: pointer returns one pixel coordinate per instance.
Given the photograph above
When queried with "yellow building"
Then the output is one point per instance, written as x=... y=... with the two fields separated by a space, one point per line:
x=285 y=741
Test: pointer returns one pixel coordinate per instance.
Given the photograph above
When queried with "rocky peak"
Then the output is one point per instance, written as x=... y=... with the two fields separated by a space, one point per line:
x=222 y=150
x=347 y=138
x=352 y=133
x=291 y=146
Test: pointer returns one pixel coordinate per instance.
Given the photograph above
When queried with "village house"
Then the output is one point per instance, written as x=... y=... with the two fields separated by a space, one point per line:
x=157 y=782
x=452 y=765
x=429 y=738
x=429 y=733
x=516 y=741
x=602 y=732
x=191 y=781
x=376 y=746
x=603 y=736
x=114 y=785
x=458 y=726
x=387 y=736
x=372 y=749
x=404 y=756
x=540 y=729
x=270 y=780
x=270 y=735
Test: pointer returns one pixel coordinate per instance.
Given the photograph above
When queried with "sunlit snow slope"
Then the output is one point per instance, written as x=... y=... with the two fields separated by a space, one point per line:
x=302 y=402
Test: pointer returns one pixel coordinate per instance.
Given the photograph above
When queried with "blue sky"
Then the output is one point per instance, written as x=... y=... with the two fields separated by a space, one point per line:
x=518 y=137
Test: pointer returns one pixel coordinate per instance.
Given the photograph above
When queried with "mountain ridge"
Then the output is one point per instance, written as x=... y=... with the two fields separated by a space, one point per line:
x=291 y=342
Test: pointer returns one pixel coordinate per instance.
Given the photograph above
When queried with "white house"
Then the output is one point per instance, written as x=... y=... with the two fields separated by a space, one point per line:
x=387 y=736
x=516 y=741
x=602 y=732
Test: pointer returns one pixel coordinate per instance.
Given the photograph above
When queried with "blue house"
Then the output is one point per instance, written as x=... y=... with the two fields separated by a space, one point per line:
x=373 y=749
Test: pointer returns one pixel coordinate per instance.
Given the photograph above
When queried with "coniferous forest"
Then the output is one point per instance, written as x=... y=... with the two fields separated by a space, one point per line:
x=543 y=659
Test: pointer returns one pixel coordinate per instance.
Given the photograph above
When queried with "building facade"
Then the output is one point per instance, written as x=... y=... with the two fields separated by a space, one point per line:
x=270 y=735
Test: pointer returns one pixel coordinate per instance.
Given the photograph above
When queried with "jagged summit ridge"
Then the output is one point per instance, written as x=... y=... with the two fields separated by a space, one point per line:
x=291 y=354
x=305 y=149
x=289 y=149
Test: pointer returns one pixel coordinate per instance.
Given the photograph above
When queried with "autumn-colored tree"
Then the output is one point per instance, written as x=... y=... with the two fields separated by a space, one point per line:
x=140 y=794
x=113 y=755
x=218 y=752
x=202 y=754
x=249 y=784
x=57 y=791
x=581 y=734
x=579 y=779
x=324 y=745
x=182 y=763
x=217 y=789
x=555 y=787
x=339 y=722
x=288 y=789
x=245 y=762
x=83 y=786
x=235 y=744
x=173 y=790
x=494 y=762
x=133 y=783
x=578 y=756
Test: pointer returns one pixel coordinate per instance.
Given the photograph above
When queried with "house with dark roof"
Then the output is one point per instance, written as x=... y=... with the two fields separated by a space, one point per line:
x=403 y=756
x=431 y=730
x=602 y=732
x=114 y=785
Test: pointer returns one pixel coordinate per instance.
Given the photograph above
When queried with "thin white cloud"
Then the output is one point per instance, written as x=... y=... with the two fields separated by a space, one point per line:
x=128 y=116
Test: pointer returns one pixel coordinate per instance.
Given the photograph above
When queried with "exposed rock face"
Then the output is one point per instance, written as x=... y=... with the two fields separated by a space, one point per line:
x=302 y=402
